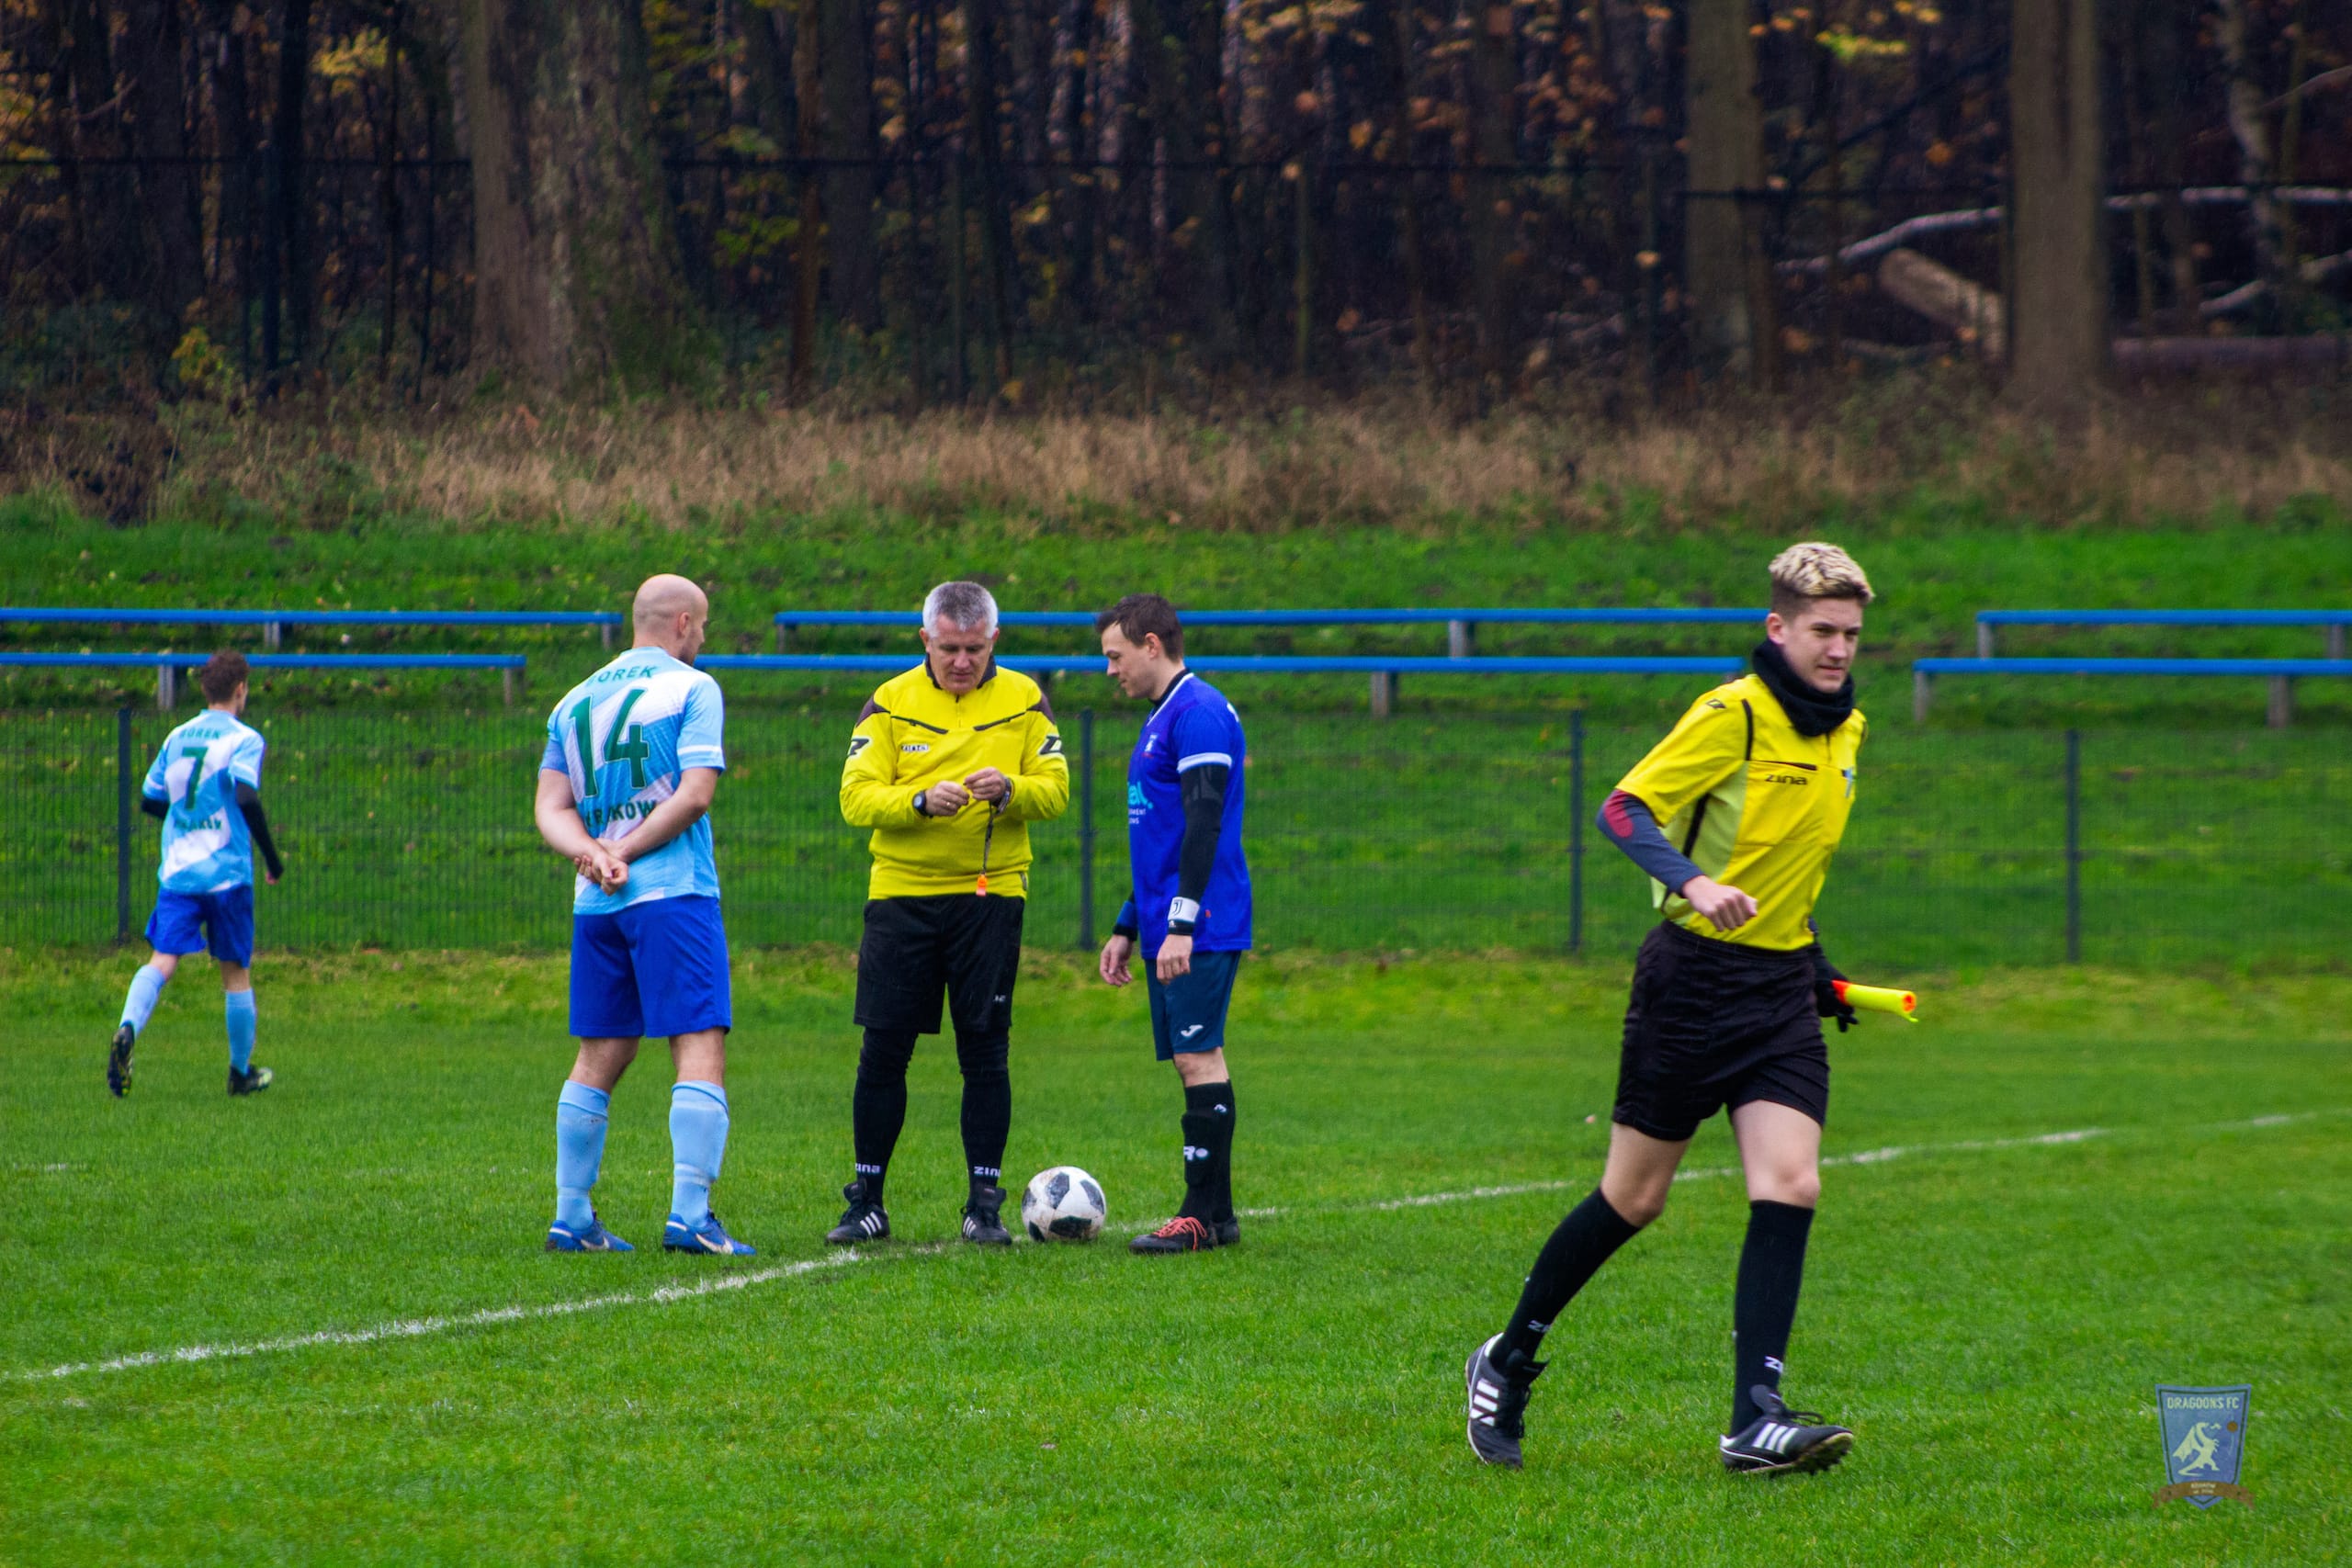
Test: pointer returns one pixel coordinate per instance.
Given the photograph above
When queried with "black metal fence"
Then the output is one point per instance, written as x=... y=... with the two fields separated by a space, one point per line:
x=1458 y=833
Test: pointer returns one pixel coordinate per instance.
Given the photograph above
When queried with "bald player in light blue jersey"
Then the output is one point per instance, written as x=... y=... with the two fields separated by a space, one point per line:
x=633 y=757
x=204 y=785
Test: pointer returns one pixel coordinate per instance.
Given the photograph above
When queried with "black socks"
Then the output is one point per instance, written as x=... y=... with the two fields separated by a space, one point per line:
x=1208 y=1151
x=1771 y=1271
x=1579 y=1245
x=878 y=1104
x=987 y=1105
x=877 y=1107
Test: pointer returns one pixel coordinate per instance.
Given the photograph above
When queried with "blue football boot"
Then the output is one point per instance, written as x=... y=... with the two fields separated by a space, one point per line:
x=594 y=1238
x=708 y=1239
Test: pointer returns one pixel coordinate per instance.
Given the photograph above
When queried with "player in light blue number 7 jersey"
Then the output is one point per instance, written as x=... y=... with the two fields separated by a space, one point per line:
x=633 y=757
x=204 y=785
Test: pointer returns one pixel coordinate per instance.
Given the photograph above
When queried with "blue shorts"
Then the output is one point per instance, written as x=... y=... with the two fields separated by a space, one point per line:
x=1188 y=1013
x=219 y=923
x=656 y=968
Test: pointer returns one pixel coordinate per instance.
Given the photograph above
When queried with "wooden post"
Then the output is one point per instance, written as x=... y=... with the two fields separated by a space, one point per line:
x=2282 y=701
x=1457 y=639
x=1983 y=640
x=2336 y=640
x=1384 y=693
x=1923 y=691
x=506 y=683
x=166 y=686
x=273 y=634
x=604 y=634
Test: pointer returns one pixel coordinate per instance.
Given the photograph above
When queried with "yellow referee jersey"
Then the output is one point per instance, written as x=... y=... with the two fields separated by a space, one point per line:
x=912 y=735
x=1754 y=805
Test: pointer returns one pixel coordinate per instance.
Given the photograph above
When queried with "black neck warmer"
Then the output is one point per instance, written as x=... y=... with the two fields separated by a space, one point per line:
x=1812 y=711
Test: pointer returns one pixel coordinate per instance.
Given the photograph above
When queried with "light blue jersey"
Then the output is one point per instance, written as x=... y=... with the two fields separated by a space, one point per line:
x=623 y=737
x=207 y=847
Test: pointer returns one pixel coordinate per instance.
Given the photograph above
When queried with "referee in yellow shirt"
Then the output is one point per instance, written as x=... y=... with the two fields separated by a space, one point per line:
x=1735 y=816
x=949 y=765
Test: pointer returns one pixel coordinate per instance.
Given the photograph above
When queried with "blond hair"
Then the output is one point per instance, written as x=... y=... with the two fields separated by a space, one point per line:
x=1811 y=571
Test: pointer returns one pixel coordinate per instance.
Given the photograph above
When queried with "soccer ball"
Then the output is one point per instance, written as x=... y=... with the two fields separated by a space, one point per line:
x=1063 y=1205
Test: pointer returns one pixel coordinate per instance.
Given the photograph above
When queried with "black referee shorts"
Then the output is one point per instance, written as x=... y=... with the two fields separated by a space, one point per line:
x=964 y=944
x=1714 y=1025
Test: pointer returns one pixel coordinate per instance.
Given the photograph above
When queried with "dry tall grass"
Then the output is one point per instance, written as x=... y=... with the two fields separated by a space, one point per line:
x=2179 y=455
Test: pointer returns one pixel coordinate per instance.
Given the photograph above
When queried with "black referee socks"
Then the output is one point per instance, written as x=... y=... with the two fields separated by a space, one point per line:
x=878 y=1106
x=1208 y=1151
x=988 y=1104
x=1585 y=1239
x=1771 y=1271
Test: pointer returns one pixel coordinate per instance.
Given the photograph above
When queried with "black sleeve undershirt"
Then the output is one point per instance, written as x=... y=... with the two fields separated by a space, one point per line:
x=1203 y=823
x=156 y=806
x=249 y=803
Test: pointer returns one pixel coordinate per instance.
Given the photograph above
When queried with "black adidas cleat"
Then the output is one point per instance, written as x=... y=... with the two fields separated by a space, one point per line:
x=1183 y=1234
x=861 y=1221
x=119 y=1060
x=1497 y=1394
x=1783 y=1439
x=253 y=1080
x=981 y=1224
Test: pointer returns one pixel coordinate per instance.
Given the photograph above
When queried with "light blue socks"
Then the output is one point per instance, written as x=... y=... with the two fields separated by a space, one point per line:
x=140 y=1005
x=697 y=1142
x=579 y=1153
x=240 y=1009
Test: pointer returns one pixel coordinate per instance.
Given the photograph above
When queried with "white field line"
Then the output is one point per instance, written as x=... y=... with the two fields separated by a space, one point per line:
x=419 y=1328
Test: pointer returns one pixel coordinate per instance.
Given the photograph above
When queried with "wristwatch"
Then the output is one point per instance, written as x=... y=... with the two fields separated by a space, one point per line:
x=920 y=795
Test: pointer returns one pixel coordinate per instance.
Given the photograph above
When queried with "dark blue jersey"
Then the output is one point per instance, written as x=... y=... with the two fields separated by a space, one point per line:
x=1191 y=726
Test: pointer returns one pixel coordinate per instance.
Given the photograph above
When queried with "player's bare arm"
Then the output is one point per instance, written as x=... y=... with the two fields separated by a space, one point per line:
x=558 y=816
x=696 y=788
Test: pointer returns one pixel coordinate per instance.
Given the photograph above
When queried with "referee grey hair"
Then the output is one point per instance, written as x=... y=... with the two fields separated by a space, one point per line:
x=1811 y=571
x=966 y=604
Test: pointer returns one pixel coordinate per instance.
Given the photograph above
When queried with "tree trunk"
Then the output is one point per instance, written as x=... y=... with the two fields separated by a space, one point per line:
x=1731 y=318
x=1181 y=98
x=167 y=186
x=2059 y=333
x=576 y=265
x=290 y=286
x=983 y=70
x=1494 y=145
x=1390 y=23
x=234 y=145
x=845 y=55
x=113 y=252
x=2250 y=124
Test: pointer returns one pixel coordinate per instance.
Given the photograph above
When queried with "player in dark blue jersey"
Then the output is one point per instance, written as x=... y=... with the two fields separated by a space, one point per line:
x=1190 y=902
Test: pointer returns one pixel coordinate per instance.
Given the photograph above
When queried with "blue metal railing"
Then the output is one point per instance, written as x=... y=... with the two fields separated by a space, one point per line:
x=272 y=622
x=167 y=666
x=1459 y=623
x=2282 y=673
x=2334 y=621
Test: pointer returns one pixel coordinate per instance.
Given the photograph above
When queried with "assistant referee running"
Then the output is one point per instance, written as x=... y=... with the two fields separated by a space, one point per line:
x=948 y=765
x=1735 y=816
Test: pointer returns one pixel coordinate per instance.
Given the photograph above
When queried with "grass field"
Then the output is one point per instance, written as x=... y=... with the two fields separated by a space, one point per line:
x=1990 y=1309
x=1937 y=562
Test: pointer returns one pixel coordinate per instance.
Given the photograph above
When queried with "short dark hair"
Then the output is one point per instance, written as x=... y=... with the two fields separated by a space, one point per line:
x=1139 y=616
x=221 y=675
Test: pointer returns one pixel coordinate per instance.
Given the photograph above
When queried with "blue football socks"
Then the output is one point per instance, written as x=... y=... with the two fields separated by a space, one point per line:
x=146 y=987
x=697 y=1142
x=242 y=1022
x=580 y=1117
